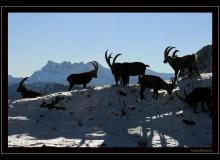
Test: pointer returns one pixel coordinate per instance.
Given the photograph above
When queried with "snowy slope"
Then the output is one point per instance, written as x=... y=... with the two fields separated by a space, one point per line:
x=107 y=116
x=41 y=87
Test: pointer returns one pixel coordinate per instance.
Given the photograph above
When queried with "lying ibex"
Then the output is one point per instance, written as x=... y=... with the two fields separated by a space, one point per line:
x=25 y=93
x=200 y=94
x=83 y=78
x=122 y=71
x=180 y=63
x=155 y=82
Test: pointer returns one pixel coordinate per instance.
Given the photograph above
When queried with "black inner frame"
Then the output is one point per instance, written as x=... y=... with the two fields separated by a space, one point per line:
x=98 y=9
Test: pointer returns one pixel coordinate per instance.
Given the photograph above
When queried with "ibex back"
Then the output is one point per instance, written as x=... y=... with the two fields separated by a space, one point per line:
x=122 y=71
x=83 y=78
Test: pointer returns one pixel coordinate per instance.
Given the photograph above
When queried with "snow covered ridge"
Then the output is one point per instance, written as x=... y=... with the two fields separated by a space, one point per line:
x=107 y=116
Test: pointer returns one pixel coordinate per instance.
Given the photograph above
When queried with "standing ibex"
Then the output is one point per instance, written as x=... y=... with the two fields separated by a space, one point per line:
x=122 y=71
x=25 y=93
x=200 y=94
x=180 y=63
x=155 y=82
x=83 y=78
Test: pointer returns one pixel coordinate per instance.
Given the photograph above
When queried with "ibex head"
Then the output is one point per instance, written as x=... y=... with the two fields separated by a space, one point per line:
x=21 y=86
x=108 y=57
x=166 y=54
x=95 y=64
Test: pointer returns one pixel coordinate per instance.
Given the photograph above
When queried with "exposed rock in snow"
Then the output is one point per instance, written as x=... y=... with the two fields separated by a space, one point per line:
x=205 y=59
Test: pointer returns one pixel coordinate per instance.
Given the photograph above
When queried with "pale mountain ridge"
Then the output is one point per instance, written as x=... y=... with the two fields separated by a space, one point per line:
x=13 y=80
x=57 y=73
x=54 y=75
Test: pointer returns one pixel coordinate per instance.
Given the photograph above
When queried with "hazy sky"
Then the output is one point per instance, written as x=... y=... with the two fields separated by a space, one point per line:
x=35 y=38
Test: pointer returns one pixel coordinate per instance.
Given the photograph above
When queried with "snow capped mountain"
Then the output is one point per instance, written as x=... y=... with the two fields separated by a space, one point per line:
x=54 y=74
x=57 y=73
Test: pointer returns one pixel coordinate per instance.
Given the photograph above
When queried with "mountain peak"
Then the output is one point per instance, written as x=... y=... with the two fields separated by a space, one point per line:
x=66 y=63
x=50 y=62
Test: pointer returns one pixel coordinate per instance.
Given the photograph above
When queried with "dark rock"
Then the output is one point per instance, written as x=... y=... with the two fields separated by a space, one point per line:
x=122 y=93
x=188 y=122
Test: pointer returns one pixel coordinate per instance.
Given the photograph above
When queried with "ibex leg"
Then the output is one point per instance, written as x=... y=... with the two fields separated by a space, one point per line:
x=70 y=87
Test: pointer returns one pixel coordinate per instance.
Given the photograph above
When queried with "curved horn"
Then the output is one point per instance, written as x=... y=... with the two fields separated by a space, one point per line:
x=22 y=81
x=174 y=53
x=106 y=55
x=113 y=62
x=21 y=84
x=107 y=58
x=96 y=64
x=167 y=50
x=170 y=49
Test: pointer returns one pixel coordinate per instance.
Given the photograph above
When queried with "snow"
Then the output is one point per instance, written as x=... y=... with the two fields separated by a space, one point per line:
x=104 y=117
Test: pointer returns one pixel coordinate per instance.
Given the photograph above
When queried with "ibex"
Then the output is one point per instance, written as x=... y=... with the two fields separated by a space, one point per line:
x=180 y=63
x=25 y=93
x=155 y=82
x=122 y=71
x=200 y=94
x=83 y=78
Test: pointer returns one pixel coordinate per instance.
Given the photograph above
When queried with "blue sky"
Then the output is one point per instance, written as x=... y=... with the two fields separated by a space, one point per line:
x=35 y=38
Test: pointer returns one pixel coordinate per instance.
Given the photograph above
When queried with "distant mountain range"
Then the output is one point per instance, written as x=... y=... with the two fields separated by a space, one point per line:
x=51 y=78
x=13 y=80
x=57 y=73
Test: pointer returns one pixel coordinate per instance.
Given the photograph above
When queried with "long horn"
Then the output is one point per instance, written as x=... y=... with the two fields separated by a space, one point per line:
x=22 y=81
x=113 y=62
x=174 y=53
x=21 y=84
x=107 y=58
x=96 y=64
x=167 y=50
